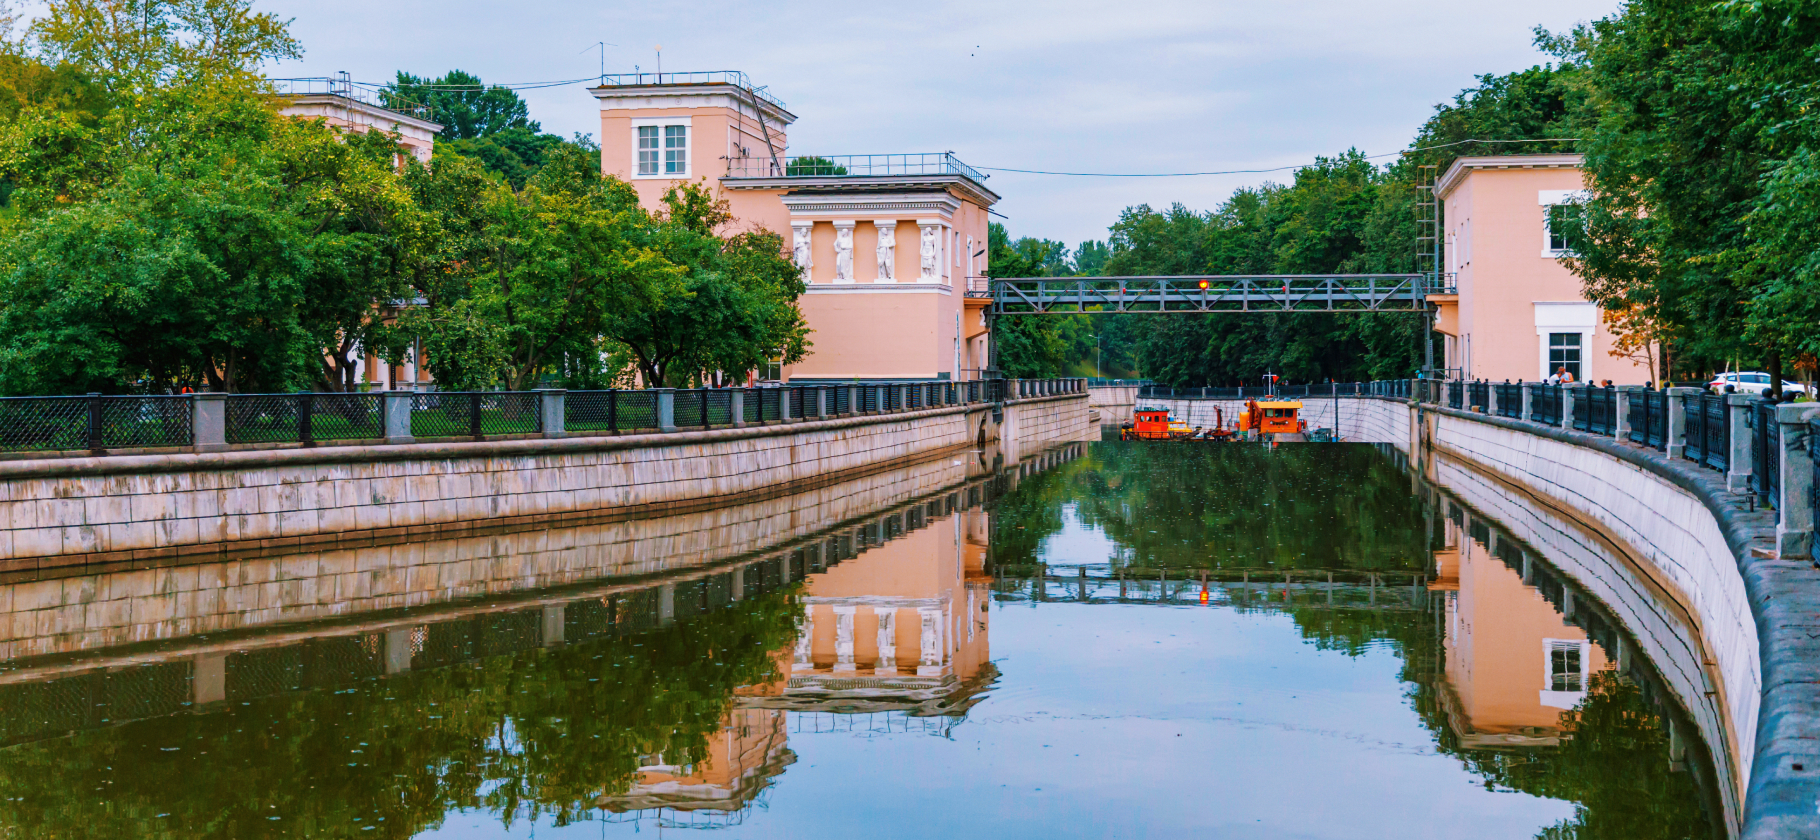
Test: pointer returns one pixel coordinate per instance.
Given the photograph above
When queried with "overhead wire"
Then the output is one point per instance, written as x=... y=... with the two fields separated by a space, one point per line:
x=1261 y=171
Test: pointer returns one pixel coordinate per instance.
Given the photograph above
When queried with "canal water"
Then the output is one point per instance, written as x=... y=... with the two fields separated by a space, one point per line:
x=1110 y=640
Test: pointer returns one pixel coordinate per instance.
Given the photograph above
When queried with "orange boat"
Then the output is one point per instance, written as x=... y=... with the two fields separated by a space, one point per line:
x=1153 y=424
x=1268 y=416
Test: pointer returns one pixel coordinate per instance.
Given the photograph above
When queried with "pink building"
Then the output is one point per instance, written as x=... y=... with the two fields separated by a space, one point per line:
x=1519 y=314
x=337 y=102
x=890 y=245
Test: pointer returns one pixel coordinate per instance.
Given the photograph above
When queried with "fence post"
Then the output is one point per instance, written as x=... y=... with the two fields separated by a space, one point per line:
x=783 y=403
x=555 y=420
x=1529 y=399
x=1676 y=406
x=821 y=402
x=736 y=407
x=1795 y=508
x=1621 y=425
x=306 y=410
x=208 y=421
x=1570 y=395
x=1737 y=417
x=1491 y=399
x=398 y=417
x=474 y=426
x=94 y=420
x=666 y=409
x=855 y=403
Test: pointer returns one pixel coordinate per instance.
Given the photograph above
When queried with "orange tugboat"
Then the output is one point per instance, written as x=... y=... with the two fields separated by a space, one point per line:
x=1272 y=417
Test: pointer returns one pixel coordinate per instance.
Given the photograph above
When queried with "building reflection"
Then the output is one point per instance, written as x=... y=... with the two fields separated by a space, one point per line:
x=1514 y=661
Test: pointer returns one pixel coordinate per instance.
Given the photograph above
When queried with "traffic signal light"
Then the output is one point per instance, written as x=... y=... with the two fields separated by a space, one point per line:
x=1203 y=284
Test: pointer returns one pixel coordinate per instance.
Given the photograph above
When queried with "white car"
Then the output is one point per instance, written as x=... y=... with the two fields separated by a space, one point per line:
x=1753 y=382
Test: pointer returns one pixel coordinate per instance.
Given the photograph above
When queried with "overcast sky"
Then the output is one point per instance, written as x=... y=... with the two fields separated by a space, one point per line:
x=1058 y=85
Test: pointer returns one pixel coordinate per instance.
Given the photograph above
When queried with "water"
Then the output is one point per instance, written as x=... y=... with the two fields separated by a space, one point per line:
x=1125 y=640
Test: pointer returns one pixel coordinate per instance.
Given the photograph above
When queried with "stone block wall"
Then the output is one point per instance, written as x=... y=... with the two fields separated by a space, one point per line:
x=109 y=511
x=69 y=614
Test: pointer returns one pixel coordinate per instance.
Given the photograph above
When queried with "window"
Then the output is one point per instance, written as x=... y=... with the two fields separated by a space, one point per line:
x=1564 y=667
x=647 y=150
x=1564 y=352
x=1566 y=228
x=676 y=150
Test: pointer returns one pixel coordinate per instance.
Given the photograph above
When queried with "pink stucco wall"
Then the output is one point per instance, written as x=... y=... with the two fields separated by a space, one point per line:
x=1495 y=238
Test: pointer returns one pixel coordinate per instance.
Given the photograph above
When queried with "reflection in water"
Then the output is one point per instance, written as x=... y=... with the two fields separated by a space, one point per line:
x=1229 y=638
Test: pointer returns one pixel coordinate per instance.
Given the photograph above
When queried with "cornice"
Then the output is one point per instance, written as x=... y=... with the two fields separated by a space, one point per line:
x=851 y=185
x=731 y=97
x=1457 y=172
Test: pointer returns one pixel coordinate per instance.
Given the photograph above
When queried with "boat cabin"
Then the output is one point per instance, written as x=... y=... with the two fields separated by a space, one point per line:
x=1150 y=424
x=1274 y=416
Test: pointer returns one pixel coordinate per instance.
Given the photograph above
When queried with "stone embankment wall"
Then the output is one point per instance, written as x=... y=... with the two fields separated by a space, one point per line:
x=1707 y=554
x=494 y=568
x=1113 y=401
x=113 y=512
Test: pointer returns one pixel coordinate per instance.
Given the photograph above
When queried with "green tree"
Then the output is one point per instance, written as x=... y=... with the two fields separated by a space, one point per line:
x=733 y=306
x=466 y=107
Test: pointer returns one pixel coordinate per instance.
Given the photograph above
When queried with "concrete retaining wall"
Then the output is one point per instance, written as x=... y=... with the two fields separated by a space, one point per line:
x=1707 y=553
x=112 y=512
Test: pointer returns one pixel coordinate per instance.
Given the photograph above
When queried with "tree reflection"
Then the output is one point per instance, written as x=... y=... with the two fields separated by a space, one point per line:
x=1237 y=506
x=537 y=734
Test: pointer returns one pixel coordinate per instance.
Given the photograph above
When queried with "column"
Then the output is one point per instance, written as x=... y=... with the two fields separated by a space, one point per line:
x=1491 y=398
x=1621 y=431
x=208 y=421
x=1529 y=399
x=931 y=663
x=843 y=251
x=805 y=637
x=886 y=252
x=737 y=403
x=1737 y=476
x=887 y=641
x=1795 y=508
x=550 y=401
x=843 y=638
x=1677 y=420
x=208 y=678
x=1569 y=396
x=666 y=409
x=553 y=623
x=398 y=417
x=802 y=238
x=929 y=240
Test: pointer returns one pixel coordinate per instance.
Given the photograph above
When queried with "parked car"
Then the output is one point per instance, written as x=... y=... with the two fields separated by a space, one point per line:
x=1753 y=382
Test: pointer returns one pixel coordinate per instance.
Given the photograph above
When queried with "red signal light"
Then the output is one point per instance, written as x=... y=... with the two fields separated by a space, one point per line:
x=1203 y=284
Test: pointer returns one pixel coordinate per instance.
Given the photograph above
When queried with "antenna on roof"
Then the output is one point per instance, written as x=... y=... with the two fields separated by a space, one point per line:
x=603 y=57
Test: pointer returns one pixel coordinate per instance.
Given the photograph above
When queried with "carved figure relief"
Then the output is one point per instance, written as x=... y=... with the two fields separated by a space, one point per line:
x=843 y=254
x=805 y=256
x=927 y=251
x=887 y=253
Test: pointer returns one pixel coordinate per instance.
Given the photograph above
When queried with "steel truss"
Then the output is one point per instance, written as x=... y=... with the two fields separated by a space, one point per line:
x=1214 y=293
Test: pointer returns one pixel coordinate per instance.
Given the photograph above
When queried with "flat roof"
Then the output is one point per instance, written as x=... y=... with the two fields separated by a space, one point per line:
x=1457 y=172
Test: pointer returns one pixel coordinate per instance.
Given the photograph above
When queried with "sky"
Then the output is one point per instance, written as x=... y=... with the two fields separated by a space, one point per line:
x=1122 y=86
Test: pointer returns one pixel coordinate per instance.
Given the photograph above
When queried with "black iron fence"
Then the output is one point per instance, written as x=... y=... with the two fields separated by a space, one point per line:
x=1545 y=404
x=1456 y=394
x=1766 y=451
x=1649 y=418
x=94 y=422
x=1510 y=399
x=98 y=423
x=1596 y=410
x=1709 y=439
x=303 y=418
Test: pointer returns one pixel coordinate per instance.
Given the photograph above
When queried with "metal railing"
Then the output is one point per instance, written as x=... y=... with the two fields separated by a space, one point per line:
x=304 y=417
x=1456 y=395
x=1596 y=410
x=1709 y=439
x=853 y=166
x=93 y=422
x=1545 y=404
x=736 y=78
x=1510 y=399
x=1649 y=418
x=1766 y=450
x=98 y=424
x=1478 y=395
x=475 y=414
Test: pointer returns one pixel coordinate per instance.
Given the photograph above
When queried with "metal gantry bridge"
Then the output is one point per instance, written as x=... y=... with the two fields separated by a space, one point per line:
x=1214 y=293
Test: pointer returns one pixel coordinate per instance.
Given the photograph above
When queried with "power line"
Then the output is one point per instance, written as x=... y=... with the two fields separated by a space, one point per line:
x=1260 y=171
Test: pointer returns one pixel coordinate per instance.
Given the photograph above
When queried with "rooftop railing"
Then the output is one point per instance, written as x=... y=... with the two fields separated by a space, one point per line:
x=852 y=166
x=701 y=77
x=344 y=87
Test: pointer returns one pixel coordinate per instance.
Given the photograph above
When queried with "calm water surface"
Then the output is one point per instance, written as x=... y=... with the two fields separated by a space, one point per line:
x=1144 y=640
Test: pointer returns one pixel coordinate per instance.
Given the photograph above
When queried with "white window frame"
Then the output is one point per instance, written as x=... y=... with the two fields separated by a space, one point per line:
x=1564 y=699
x=1566 y=317
x=662 y=123
x=1548 y=199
